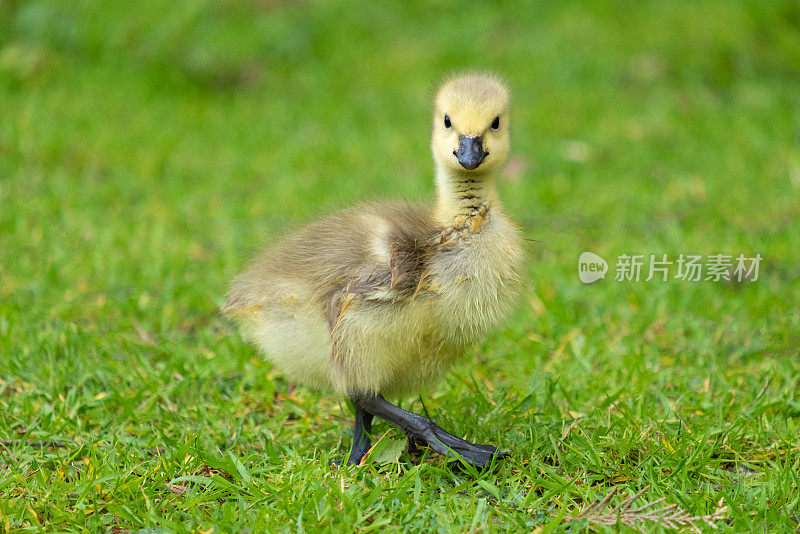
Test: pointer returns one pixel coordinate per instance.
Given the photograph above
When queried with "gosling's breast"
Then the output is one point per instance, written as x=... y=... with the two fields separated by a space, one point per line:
x=478 y=281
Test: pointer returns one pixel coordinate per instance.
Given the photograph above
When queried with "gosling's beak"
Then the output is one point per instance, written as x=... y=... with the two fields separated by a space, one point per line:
x=470 y=152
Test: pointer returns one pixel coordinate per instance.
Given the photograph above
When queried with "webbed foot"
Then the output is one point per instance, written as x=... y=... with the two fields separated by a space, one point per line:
x=422 y=431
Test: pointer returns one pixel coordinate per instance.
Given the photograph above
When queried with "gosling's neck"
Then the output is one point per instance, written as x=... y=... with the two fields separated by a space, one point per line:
x=461 y=195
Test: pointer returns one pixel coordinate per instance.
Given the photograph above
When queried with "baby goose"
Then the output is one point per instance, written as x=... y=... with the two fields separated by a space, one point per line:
x=381 y=298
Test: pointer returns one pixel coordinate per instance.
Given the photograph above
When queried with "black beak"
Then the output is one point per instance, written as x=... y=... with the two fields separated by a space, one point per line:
x=470 y=152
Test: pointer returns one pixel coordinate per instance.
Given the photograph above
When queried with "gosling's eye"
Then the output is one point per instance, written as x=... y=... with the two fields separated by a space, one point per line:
x=496 y=123
x=447 y=123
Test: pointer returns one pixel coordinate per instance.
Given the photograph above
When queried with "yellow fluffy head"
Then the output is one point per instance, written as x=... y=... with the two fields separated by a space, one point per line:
x=471 y=124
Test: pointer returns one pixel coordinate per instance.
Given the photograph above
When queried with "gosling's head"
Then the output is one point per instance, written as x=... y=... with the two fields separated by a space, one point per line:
x=470 y=124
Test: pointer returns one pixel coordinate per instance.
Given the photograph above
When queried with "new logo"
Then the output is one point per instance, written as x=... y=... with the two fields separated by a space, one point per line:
x=591 y=267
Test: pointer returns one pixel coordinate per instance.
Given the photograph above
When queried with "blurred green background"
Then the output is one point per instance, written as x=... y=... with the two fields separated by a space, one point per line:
x=147 y=148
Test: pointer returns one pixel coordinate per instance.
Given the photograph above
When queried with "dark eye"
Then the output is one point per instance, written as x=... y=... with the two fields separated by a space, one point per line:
x=447 y=123
x=496 y=123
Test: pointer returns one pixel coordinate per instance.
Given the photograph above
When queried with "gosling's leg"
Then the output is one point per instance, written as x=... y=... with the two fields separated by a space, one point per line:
x=419 y=428
x=361 y=431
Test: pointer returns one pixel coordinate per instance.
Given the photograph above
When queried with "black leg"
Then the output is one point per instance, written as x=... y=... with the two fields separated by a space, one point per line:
x=421 y=429
x=361 y=431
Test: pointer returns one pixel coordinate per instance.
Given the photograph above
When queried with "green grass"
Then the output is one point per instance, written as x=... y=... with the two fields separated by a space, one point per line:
x=147 y=148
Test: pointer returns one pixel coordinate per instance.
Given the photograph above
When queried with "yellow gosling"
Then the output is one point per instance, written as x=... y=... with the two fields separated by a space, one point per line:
x=379 y=299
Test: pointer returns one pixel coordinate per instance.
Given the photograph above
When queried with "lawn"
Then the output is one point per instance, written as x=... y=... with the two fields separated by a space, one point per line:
x=148 y=148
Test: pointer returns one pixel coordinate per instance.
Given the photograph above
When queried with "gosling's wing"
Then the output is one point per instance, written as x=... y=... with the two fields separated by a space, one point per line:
x=371 y=252
x=400 y=242
x=400 y=277
x=402 y=251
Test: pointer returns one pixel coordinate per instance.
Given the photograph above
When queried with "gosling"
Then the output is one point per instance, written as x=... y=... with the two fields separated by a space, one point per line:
x=378 y=300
